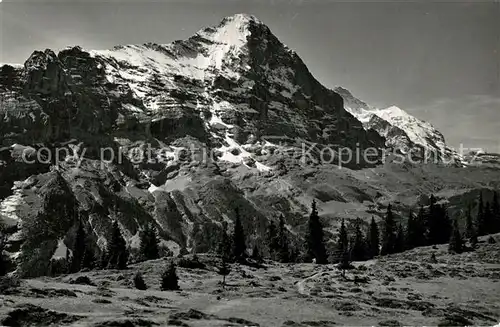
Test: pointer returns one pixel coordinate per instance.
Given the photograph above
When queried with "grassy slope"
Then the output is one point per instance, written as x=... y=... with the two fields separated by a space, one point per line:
x=405 y=287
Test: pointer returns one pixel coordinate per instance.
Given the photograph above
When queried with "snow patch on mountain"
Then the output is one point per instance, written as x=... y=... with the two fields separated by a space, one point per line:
x=236 y=153
x=9 y=206
x=209 y=52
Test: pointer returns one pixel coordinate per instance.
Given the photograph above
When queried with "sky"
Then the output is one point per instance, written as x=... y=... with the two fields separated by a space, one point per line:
x=440 y=61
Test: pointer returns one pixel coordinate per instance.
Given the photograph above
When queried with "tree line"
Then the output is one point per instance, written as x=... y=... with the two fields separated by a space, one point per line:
x=430 y=225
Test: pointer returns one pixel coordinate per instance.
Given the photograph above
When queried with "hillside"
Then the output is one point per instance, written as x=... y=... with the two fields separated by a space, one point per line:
x=403 y=289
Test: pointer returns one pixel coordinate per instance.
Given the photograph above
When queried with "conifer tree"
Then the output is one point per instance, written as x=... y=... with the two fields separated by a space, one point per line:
x=446 y=225
x=139 y=282
x=256 y=254
x=3 y=261
x=389 y=233
x=117 y=249
x=415 y=230
x=79 y=248
x=359 y=248
x=345 y=262
x=314 y=239
x=488 y=219
x=470 y=229
x=480 y=219
x=169 y=279
x=239 y=243
x=224 y=270
x=224 y=249
x=343 y=252
x=411 y=227
x=496 y=213
x=373 y=239
x=430 y=213
x=294 y=254
x=283 y=254
x=149 y=243
x=438 y=223
x=400 y=242
x=423 y=224
x=456 y=242
x=343 y=241
x=89 y=259
x=103 y=259
x=272 y=240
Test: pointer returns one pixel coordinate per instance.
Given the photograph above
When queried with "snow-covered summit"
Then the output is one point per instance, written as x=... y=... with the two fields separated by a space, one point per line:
x=400 y=129
x=419 y=131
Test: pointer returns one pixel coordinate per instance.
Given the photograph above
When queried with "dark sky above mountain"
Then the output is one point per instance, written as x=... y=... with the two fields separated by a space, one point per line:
x=440 y=61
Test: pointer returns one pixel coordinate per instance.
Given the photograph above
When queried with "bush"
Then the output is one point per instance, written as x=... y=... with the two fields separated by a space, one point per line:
x=169 y=279
x=139 y=282
x=82 y=280
x=8 y=285
x=58 y=267
x=191 y=263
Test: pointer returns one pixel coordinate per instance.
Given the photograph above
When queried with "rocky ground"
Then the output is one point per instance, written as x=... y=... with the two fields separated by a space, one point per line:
x=404 y=289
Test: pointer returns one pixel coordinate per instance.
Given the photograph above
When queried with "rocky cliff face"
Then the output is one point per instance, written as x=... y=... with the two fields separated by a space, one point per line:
x=197 y=128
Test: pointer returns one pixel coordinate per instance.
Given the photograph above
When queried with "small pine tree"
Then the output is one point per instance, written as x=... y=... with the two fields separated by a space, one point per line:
x=117 y=249
x=239 y=243
x=224 y=270
x=272 y=240
x=456 y=244
x=103 y=259
x=284 y=252
x=314 y=240
x=439 y=223
x=343 y=241
x=3 y=262
x=345 y=262
x=400 y=240
x=422 y=224
x=169 y=279
x=149 y=243
x=415 y=230
x=480 y=218
x=294 y=255
x=89 y=259
x=488 y=219
x=470 y=229
x=224 y=247
x=359 y=249
x=139 y=282
x=373 y=239
x=256 y=254
x=79 y=248
x=496 y=213
x=389 y=234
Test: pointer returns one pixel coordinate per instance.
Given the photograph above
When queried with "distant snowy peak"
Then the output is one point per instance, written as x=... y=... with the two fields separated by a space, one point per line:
x=351 y=102
x=419 y=131
x=401 y=130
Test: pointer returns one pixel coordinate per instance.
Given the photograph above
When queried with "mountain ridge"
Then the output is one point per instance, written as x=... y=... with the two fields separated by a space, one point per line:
x=402 y=130
x=154 y=99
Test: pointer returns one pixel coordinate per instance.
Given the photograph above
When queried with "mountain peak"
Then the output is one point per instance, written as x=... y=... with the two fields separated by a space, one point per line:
x=241 y=18
x=232 y=30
